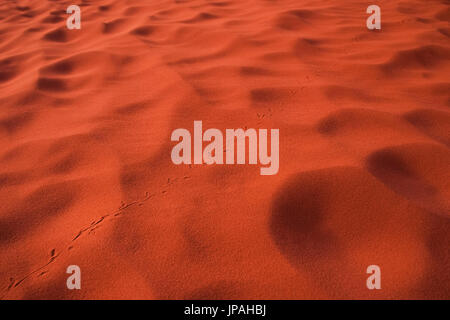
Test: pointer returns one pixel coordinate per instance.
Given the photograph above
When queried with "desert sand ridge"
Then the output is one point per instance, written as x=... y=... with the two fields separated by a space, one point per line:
x=86 y=176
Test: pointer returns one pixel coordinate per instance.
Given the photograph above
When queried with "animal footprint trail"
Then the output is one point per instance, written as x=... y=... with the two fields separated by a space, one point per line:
x=54 y=254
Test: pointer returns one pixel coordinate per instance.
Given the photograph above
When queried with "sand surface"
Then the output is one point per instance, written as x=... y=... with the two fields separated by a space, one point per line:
x=86 y=176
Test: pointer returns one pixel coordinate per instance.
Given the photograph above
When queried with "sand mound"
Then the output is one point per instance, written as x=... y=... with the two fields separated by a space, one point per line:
x=86 y=176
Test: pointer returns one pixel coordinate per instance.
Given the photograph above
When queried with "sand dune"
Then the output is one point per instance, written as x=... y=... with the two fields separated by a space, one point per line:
x=86 y=176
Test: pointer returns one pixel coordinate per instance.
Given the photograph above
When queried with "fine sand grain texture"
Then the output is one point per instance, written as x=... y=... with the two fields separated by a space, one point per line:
x=86 y=176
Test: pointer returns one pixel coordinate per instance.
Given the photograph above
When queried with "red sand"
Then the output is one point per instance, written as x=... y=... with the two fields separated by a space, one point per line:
x=86 y=176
